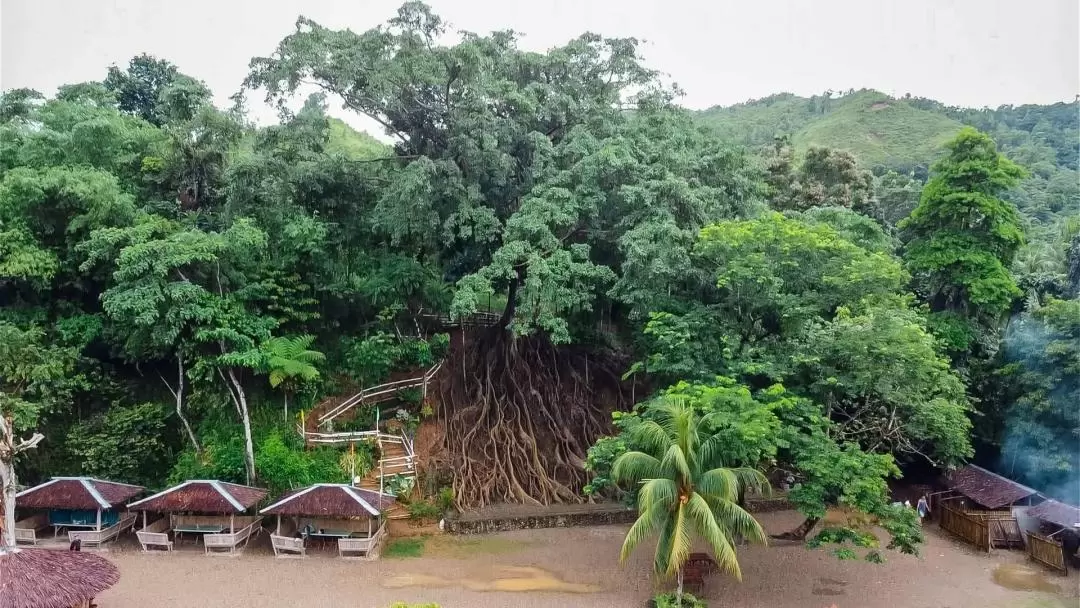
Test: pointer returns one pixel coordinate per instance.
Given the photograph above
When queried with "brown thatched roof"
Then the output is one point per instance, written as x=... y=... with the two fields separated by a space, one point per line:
x=202 y=496
x=77 y=493
x=989 y=490
x=1058 y=513
x=331 y=500
x=44 y=578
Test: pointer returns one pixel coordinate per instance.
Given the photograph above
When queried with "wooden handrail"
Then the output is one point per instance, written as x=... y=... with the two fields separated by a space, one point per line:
x=381 y=390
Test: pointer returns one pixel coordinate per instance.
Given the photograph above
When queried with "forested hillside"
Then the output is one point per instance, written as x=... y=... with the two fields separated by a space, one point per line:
x=907 y=135
x=877 y=288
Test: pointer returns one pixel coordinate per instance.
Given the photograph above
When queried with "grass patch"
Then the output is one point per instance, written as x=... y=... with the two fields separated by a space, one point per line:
x=405 y=547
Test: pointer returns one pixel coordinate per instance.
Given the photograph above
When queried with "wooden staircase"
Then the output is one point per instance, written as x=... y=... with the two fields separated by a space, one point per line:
x=395 y=458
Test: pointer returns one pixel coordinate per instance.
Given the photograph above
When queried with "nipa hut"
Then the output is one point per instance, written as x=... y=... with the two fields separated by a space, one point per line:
x=91 y=510
x=208 y=510
x=1060 y=522
x=973 y=487
x=352 y=517
x=44 y=578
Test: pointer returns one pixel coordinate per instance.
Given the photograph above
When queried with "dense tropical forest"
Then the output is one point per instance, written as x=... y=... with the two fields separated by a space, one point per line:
x=836 y=288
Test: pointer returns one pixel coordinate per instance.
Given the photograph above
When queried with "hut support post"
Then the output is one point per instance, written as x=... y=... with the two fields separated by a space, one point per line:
x=278 y=532
x=369 y=527
x=144 y=520
x=98 y=520
x=232 y=519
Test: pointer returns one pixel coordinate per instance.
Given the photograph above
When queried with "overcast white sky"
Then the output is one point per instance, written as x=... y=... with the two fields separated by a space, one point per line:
x=962 y=52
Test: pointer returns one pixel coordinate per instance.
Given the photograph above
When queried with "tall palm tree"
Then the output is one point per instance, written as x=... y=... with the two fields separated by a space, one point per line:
x=685 y=491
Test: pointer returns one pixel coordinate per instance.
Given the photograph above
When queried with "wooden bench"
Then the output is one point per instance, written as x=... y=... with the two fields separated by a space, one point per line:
x=364 y=546
x=26 y=530
x=155 y=535
x=99 y=537
x=287 y=546
x=227 y=544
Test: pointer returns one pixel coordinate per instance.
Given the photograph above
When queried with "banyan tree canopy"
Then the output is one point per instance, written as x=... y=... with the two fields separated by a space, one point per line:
x=77 y=493
x=44 y=578
x=331 y=500
x=202 y=496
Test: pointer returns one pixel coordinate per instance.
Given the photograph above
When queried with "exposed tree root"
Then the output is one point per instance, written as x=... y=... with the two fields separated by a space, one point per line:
x=519 y=415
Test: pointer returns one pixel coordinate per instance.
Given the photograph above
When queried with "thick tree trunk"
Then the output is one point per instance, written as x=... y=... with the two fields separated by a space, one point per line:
x=800 y=532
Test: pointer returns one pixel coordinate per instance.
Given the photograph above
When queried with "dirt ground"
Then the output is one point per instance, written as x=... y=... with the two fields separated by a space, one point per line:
x=577 y=567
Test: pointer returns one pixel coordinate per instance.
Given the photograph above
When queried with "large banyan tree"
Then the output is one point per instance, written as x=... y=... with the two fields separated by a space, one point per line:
x=566 y=181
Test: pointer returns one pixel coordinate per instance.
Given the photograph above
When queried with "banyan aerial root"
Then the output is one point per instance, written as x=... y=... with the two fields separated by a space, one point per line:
x=519 y=415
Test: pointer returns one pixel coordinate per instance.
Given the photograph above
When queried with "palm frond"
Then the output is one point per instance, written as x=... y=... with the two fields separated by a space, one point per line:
x=646 y=525
x=658 y=494
x=720 y=483
x=632 y=467
x=737 y=521
x=679 y=550
x=651 y=436
x=709 y=529
x=676 y=464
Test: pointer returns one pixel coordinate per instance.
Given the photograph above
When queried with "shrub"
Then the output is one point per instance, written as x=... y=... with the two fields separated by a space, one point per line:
x=667 y=600
x=423 y=510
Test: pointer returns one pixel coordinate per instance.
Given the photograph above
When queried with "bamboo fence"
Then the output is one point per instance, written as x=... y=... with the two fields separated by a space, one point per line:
x=1047 y=552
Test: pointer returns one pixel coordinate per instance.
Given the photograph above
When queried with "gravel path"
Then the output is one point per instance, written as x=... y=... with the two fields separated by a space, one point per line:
x=471 y=572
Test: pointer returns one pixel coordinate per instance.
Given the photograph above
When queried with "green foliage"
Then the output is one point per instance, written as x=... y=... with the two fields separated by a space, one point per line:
x=124 y=442
x=686 y=489
x=283 y=467
x=423 y=511
x=669 y=600
x=876 y=129
x=962 y=237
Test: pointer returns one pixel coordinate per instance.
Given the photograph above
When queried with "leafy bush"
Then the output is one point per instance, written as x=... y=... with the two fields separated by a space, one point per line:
x=421 y=511
x=445 y=499
x=124 y=443
x=281 y=467
x=667 y=600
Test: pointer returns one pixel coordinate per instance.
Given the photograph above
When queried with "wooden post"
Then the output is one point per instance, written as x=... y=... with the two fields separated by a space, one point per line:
x=98 y=520
x=278 y=532
x=232 y=518
x=369 y=527
x=380 y=474
x=144 y=520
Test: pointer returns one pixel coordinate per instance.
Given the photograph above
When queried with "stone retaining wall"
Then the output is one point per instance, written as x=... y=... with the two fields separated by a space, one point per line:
x=615 y=514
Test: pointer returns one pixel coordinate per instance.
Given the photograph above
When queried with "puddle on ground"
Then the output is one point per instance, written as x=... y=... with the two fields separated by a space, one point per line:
x=1020 y=577
x=507 y=578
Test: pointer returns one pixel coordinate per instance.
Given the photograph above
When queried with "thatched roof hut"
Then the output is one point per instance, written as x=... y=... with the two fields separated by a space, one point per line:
x=202 y=496
x=989 y=490
x=1058 y=514
x=331 y=500
x=44 y=578
x=77 y=493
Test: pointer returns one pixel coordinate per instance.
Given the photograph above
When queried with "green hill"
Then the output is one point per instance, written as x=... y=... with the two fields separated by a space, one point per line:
x=875 y=128
x=354 y=144
x=907 y=134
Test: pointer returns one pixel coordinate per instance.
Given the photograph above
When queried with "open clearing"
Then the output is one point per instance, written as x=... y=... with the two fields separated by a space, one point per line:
x=562 y=568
